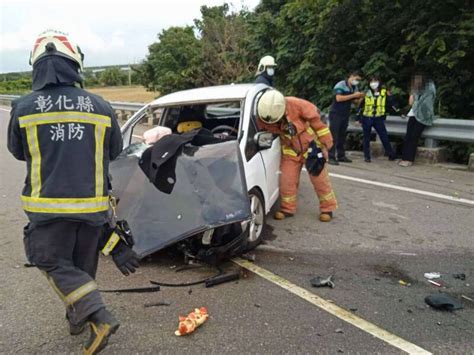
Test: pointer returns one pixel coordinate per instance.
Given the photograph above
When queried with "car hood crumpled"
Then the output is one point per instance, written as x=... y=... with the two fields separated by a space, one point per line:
x=210 y=191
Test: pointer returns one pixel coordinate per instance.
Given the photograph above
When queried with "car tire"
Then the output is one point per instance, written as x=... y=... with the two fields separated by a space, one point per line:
x=256 y=226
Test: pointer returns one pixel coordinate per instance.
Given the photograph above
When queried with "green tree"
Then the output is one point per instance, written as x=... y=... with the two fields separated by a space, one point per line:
x=174 y=62
x=112 y=77
x=224 y=37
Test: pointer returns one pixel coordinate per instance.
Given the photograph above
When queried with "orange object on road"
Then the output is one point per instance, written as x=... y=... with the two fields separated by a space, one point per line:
x=194 y=319
x=302 y=126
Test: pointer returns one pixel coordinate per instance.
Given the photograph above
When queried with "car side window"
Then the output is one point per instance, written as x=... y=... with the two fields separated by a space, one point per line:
x=251 y=147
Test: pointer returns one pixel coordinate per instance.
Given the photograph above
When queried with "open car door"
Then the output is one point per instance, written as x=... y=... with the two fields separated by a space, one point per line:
x=209 y=191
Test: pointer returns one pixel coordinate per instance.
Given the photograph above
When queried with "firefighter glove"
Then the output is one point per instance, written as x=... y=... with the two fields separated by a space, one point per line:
x=125 y=258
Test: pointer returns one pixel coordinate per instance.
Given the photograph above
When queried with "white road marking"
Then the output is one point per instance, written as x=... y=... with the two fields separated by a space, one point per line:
x=402 y=188
x=333 y=309
x=5 y=109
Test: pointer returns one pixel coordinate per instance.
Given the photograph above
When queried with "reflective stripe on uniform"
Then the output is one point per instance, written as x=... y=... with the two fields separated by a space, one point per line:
x=62 y=117
x=323 y=132
x=99 y=157
x=35 y=172
x=288 y=151
x=289 y=198
x=328 y=197
x=65 y=205
x=80 y=292
x=30 y=123
x=53 y=286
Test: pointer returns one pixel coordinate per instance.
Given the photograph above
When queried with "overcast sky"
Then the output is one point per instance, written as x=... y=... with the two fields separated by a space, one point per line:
x=108 y=32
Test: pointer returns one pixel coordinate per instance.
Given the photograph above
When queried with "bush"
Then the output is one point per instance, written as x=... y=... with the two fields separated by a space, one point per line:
x=458 y=152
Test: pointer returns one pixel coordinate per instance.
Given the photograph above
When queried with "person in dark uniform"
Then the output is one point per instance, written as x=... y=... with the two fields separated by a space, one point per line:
x=67 y=136
x=345 y=92
x=266 y=71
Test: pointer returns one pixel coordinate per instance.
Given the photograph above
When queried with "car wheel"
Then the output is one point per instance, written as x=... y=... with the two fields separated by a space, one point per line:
x=255 y=227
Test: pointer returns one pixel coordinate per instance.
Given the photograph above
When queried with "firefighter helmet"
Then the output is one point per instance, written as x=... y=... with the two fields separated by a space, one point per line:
x=271 y=106
x=265 y=62
x=52 y=42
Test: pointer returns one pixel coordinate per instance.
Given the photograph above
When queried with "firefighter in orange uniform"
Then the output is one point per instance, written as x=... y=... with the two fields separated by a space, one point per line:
x=301 y=131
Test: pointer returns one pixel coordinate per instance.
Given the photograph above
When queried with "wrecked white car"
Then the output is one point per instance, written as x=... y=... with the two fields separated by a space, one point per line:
x=208 y=186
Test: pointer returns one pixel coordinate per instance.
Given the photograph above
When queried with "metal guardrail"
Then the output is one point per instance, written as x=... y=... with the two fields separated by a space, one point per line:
x=443 y=129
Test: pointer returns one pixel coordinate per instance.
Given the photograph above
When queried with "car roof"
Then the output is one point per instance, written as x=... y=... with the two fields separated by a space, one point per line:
x=205 y=94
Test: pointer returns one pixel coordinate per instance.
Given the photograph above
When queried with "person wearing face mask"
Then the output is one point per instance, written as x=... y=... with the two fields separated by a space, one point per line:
x=372 y=113
x=345 y=93
x=266 y=71
x=421 y=115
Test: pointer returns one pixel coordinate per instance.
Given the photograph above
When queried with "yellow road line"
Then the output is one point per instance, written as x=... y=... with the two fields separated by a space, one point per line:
x=333 y=309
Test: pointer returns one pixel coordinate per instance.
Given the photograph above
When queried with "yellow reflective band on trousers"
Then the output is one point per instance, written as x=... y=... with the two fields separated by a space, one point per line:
x=379 y=103
x=64 y=117
x=328 y=197
x=65 y=205
x=80 y=292
x=289 y=198
x=53 y=286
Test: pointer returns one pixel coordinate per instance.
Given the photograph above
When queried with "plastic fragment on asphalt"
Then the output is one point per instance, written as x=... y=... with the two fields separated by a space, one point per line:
x=249 y=257
x=219 y=279
x=432 y=275
x=460 y=276
x=435 y=283
x=404 y=283
x=156 y=304
x=443 y=302
x=320 y=282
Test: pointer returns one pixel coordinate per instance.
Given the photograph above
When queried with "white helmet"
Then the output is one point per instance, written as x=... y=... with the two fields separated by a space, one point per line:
x=267 y=61
x=271 y=107
x=52 y=42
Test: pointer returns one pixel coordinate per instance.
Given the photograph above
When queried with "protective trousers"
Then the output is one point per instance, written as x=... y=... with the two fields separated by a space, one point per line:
x=67 y=253
x=289 y=182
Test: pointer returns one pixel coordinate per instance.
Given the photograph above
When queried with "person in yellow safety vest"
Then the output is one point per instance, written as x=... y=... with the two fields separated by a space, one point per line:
x=67 y=136
x=299 y=125
x=372 y=113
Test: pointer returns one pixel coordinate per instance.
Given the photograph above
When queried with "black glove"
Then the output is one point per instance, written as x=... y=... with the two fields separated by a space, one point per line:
x=125 y=258
x=118 y=242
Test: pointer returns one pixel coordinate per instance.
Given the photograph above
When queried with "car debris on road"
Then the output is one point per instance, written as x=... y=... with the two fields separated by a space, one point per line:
x=442 y=301
x=320 y=282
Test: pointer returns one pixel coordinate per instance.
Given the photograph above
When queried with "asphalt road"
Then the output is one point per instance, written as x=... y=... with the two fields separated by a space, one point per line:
x=378 y=237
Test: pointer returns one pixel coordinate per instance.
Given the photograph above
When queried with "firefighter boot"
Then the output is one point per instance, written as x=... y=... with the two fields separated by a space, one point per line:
x=103 y=324
x=279 y=215
x=76 y=329
x=325 y=216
